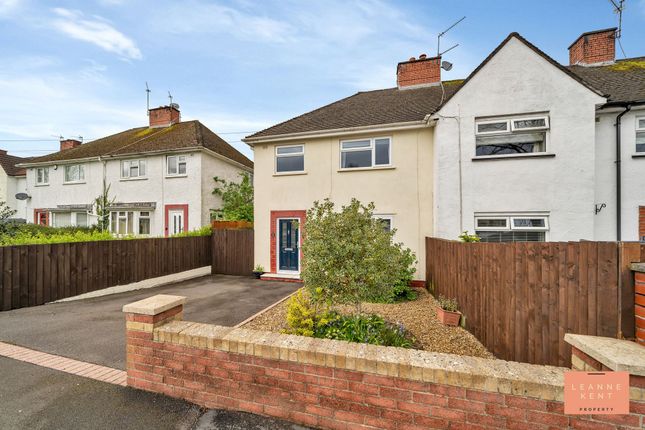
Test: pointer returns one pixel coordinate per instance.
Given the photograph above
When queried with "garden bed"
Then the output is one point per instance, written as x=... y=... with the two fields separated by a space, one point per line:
x=417 y=316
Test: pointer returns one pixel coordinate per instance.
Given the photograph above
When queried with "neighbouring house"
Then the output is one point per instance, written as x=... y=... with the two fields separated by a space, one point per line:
x=12 y=182
x=160 y=177
x=524 y=149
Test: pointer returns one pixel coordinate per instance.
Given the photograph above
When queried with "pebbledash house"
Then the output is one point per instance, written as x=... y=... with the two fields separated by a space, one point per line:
x=160 y=177
x=523 y=149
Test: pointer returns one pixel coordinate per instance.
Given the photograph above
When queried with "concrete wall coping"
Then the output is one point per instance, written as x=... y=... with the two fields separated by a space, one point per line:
x=638 y=267
x=154 y=305
x=617 y=354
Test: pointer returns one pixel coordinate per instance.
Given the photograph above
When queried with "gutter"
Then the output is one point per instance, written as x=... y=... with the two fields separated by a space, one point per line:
x=339 y=131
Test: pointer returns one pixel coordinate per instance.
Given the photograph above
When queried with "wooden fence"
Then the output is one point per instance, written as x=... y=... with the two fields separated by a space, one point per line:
x=32 y=275
x=520 y=299
x=232 y=252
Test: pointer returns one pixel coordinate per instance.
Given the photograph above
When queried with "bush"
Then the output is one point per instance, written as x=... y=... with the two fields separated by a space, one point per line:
x=237 y=199
x=350 y=258
x=304 y=316
x=447 y=304
x=35 y=238
x=467 y=237
x=202 y=231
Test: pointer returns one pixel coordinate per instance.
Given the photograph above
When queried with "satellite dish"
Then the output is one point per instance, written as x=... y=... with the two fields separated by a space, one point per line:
x=446 y=65
x=22 y=196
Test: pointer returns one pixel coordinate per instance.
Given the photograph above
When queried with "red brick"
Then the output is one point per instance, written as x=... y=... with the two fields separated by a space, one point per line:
x=447 y=390
x=330 y=423
x=431 y=422
x=398 y=416
x=626 y=420
x=349 y=417
x=349 y=395
x=515 y=413
x=380 y=401
x=302 y=418
x=335 y=383
x=526 y=403
x=363 y=388
x=404 y=384
x=523 y=425
x=276 y=411
x=393 y=393
x=483 y=396
x=317 y=410
x=582 y=424
x=252 y=407
x=466 y=405
x=547 y=418
x=415 y=408
x=320 y=371
x=381 y=423
x=450 y=414
x=348 y=375
x=487 y=420
x=378 y=380
x=430 y=399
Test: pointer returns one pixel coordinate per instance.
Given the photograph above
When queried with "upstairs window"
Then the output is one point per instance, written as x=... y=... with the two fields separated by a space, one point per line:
x=133 y=169
x=365 y=153
x=42 y=176
x=290 y=158
x=511 y=136
x=176 y=165
x=527 y=228
x=74 y=173
x=640 y=134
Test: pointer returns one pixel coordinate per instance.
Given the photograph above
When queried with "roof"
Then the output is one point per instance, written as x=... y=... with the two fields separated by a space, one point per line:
x=368 y=108
x=622 y=81
x=183 y=135
x=8 y=163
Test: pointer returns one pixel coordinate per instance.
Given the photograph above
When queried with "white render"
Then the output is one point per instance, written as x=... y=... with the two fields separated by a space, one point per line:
x=9 y=187
x=193 y=189
x=566 y=186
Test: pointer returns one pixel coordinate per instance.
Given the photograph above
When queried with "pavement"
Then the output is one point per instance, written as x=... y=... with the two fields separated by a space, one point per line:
x=93 y=329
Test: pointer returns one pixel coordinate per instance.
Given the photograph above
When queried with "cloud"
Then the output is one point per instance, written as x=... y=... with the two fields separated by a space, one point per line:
x=96 y=31
x=8 y=6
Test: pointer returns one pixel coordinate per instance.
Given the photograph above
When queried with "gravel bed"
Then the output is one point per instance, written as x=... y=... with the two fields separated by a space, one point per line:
x=417 y=316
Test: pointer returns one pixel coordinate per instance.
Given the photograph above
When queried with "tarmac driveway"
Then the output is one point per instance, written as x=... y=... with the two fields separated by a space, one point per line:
x=93 y=330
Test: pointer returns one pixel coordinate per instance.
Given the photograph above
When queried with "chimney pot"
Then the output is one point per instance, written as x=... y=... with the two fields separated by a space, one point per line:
x=412 y=59
x=164 y=116
x=422 y=72
x=594 y=47
x=66 y=144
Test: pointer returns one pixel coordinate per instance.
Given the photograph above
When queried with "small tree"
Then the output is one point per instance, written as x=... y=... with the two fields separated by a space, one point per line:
x=102 y=204
x=349 y=257
x=237 y=199
x=6 y=225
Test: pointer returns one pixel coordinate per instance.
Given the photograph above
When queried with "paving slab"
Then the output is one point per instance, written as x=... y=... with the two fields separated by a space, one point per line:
x=93 y=330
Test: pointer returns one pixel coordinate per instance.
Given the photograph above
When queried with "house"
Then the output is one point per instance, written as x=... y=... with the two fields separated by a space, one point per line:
x=523 y=149
x=160 y=177
x=12 y=182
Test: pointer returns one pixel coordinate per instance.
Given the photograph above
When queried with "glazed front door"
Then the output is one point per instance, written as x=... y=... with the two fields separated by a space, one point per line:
x=288 y=249
x=175 y=221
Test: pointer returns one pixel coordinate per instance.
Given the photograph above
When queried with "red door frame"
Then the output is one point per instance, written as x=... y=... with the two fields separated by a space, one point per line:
x=37 y=213
x=169 y=208
x=275 y=215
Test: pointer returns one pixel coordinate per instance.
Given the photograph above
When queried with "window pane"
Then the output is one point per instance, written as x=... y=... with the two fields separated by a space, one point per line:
x=382 y=151
x=144 y=225
x=356 y=144
x=529 y=123
x=134 y=170
x=290 y=164
x=172 y=165
x=182 y=167
x=125 y=169
x=511 y=236
x=491 y=223
x=39 y=175
x=130 y=222
x=640 y=141
x=62 y=219
x=529 y=222
x=81 y=173
x=113 y=225
x=516 y=143
x=492 y=127
x=641 y=123
x=71 y=173
x=142 y=168
x=356 y=159
x=289 y=150
x=386 y=222
x=81 y=219
x=121 y=225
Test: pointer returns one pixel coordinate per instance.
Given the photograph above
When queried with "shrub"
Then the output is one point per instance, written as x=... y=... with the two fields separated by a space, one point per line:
x=304 y=316
x=202 y=231
x=466 y=237
x=31 y=238
x=370 y=329
x=447 y=304
x=350 y=258
x=237 y=199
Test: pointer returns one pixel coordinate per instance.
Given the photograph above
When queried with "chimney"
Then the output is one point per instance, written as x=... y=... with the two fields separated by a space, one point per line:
x=164 y=116
x=423 y=71
x=594 y=48
x=66 y=144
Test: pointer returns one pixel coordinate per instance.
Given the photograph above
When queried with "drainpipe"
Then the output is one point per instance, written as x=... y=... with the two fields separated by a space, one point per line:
x=619 y=117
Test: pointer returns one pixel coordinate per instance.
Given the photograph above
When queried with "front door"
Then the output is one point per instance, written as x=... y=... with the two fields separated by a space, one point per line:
x=175 y=221
x=288 y=249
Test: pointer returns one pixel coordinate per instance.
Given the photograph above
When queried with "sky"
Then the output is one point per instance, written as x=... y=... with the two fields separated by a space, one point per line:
x=79 y=68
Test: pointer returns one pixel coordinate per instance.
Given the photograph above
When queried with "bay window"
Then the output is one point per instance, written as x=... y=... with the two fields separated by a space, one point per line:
x=365 y=153
x=127 y=222
x=511 y=136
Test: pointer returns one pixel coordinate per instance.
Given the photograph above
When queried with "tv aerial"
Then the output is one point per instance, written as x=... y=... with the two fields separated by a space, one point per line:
x=619 y=7
x=447 y=65
x=147 y=99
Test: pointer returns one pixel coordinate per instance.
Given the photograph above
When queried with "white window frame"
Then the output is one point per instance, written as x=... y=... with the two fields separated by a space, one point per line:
x=178 y=162
x=505 y=218
x=140 y=162
x=639 y=130
x=510 y=129
x=546 y=125
x=372 y=148
x=75 y=220
x=293 y=154
x=484 y=133
x=545 y=218
x=45 y=171
x=509 y=222
x=81 y=172
x=138 y=222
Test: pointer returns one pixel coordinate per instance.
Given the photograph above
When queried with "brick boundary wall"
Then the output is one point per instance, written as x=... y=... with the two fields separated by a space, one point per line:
x=339 y=385
x=639 y=305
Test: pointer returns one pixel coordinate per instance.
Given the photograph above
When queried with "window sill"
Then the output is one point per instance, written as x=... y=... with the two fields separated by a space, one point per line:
x=41 y=185
x=133 y=179
x=74 y=183
x=366 y=169
x=513 y=157
x=639 y=155
x=175 y=176
x=289 y=173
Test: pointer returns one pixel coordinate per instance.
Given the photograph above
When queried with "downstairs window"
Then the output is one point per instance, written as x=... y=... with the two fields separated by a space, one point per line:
x=511 y=228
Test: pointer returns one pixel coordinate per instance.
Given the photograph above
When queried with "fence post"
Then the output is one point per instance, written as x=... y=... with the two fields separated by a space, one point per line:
x=628 y=253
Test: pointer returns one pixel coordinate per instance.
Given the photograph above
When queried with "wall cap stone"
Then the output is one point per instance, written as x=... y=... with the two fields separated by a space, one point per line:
x=617 y=354
x=154 y=305
x=638 y=267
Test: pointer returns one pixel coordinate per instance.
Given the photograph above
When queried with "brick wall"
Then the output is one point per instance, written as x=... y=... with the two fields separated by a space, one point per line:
x=164 y=116
x=422 y=71
x=338 y=385
x=641 y=223
x=639 y=306
x=593 y=48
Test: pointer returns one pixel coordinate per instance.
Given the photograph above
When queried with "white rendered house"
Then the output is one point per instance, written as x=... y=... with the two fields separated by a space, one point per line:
x=160 y=177
x=524 y=149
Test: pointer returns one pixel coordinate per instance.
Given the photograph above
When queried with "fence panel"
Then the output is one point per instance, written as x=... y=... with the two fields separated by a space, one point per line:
x=232 y=252
x=520 y=299
x=32 y=275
